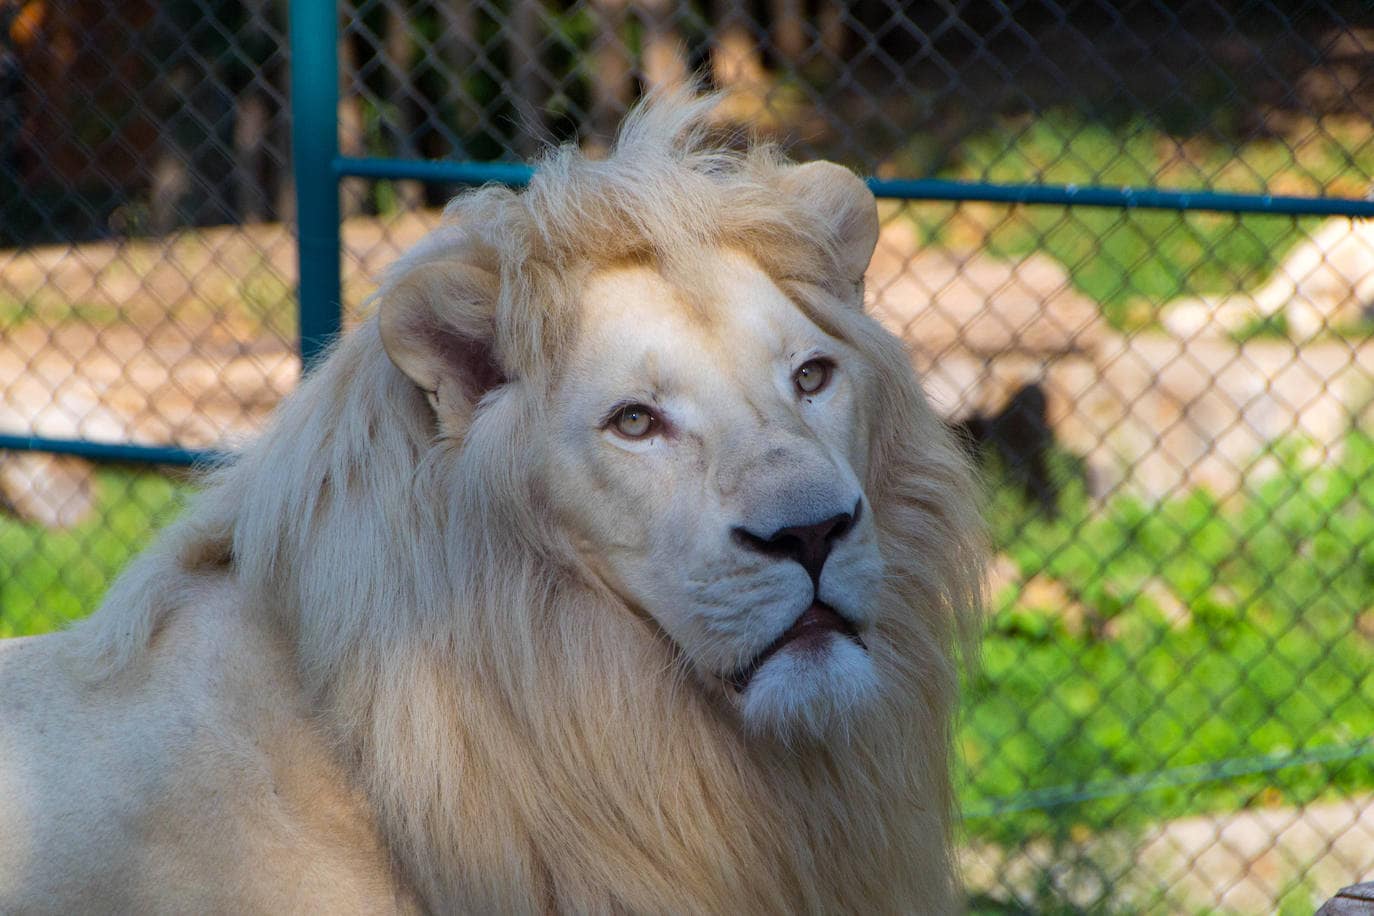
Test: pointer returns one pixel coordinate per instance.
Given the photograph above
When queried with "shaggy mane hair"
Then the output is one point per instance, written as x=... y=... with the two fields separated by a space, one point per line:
x=525 y=741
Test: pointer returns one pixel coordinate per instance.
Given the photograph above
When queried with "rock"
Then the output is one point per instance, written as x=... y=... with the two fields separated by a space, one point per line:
x=979 y=329
x=122 y=384
x=1052 y=598
x=1364 y=625
x=1174 y=611
x=1209 y=316
x=52 y=490
x=1153 y=414
x=1325 y=282
x=1157 y=416
x=942 y=301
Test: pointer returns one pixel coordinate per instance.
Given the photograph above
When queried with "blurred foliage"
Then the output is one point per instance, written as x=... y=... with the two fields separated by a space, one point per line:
x=1197 y=630
x=50 y=577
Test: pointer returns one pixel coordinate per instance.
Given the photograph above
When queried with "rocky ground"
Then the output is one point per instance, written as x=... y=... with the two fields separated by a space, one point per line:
x=1152 y=412
x=1238 y=862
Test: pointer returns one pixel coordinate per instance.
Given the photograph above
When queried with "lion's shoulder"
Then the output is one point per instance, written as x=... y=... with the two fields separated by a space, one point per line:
x=205 y=739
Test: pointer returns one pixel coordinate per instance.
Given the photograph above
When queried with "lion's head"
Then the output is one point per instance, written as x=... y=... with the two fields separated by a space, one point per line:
x=674 y=340
x=620 y=487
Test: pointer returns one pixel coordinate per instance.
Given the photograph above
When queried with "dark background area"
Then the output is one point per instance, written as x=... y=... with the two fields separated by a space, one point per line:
x=134 y=118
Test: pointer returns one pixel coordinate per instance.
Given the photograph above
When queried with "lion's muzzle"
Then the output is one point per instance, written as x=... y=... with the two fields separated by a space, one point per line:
x=809 y=633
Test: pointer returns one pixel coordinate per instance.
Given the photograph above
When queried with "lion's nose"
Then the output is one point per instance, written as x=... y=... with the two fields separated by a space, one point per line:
x=809 y=544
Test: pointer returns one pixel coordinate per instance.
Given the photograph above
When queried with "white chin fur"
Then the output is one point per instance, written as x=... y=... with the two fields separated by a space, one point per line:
x=808 y=693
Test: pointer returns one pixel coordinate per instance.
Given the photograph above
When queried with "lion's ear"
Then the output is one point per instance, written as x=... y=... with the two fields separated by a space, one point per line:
x=845 y=203
x=437 y=326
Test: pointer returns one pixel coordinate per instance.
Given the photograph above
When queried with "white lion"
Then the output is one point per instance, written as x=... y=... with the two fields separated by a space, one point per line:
x=618 y=565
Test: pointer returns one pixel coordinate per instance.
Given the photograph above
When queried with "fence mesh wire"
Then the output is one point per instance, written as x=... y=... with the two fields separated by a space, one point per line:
x=1176 y=704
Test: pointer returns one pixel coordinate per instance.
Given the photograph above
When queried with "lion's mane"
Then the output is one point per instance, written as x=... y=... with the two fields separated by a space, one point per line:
x=526 y=742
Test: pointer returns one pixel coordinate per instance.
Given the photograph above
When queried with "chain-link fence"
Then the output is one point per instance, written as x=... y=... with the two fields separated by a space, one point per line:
x=1176 y=703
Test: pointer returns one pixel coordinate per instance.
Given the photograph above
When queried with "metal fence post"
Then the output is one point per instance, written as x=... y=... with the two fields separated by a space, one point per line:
x=314 y=147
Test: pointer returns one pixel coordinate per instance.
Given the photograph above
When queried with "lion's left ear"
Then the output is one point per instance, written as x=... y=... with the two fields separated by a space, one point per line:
x=845 y=203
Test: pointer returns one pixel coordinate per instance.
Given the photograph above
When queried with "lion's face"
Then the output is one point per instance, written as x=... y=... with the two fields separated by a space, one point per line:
x=706 y=458
x=701 y=441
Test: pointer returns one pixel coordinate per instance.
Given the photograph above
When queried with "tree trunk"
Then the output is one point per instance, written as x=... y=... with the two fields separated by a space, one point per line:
x=736 y=63
x=190 y=185
x=455 y=48
x=665 y=63
x=399 y=51
x=834 y=32
x=171 y=172
x=253 y=135
x=527 y=76
x=352 y=141
x=285 y=180
x=789 y=31
x=611 y=74
x=250 y=134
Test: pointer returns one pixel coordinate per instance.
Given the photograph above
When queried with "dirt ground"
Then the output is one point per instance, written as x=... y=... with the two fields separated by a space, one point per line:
x=187 y=342
x=1241 y=862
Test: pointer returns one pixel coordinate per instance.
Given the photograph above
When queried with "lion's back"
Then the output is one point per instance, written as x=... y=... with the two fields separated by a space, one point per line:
x=191 y=782
x=61 y=774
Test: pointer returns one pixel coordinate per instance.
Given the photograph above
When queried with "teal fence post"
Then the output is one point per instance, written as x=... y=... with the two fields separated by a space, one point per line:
x=314 y=146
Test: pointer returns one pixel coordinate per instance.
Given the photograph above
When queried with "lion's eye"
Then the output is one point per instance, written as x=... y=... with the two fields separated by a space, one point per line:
x=812 y=376
x=635 y=421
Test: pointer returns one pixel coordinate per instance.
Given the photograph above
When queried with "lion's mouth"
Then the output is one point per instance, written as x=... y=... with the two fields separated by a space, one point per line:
x=808 y=633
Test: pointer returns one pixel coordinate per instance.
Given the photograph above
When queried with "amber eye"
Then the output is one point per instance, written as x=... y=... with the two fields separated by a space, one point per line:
x=634 y=421
x=812 y=376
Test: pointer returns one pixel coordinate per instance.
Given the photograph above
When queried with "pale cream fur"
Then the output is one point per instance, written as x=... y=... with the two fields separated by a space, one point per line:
x=391 y=675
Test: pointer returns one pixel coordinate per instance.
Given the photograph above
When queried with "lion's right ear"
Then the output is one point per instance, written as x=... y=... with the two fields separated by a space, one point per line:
x=847 y=206
x=437 y=326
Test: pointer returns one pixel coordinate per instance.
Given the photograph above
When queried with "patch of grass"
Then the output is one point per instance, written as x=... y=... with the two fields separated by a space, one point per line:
x=268 y=304
x=1064 y=148
x=1131 y=262
x=51 y=310
x=1267 y=657
x=1268 y=327
x=49 y=578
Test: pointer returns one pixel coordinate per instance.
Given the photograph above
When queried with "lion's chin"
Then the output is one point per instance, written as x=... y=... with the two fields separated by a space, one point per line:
x=812 y=691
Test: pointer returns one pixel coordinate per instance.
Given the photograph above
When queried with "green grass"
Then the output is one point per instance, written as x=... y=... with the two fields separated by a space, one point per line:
x=52 y=309
x=1131 y=262
x=1267 y=658
x=50 y=577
